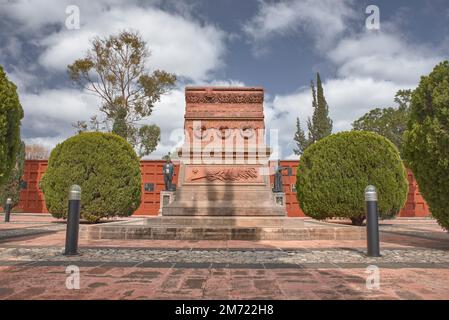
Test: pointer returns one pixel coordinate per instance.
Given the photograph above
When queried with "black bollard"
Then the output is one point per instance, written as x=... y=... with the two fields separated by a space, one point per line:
x=372 y=222
x=73 y=221
x=8 y=207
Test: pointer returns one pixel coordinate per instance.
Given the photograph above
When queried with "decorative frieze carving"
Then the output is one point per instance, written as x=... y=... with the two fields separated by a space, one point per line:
x=223 y=174
x=209 y=97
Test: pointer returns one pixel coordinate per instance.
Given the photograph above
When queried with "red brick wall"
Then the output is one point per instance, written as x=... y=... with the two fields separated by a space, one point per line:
x=32 y=199
x=289 y=184
x=415 y=206
x=152 y=173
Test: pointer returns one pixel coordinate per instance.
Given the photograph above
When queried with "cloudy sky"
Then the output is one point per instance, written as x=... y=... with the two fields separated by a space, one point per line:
x=275 y=44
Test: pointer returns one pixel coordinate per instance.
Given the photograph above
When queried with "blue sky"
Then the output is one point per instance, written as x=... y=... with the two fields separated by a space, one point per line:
x=275 y=44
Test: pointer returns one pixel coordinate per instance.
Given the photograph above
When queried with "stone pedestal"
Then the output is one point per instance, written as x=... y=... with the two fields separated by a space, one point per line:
x=279 y=199
x=167 y=197
x=224 y=162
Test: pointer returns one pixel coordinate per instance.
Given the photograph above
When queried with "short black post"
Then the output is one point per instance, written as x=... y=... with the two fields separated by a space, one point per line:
x=73 y=221
x=372 y=222
x=8 y=207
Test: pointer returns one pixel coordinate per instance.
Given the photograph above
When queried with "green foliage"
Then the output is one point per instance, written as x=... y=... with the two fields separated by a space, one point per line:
x=388 y=122
x=300 y=139
x=334 y=172
x=11 y=189
x=114 y=69
x=104 y=165
x=11 y=113
x=146 y=138
x=320 y=125
x=120 y=126
x=426 y=142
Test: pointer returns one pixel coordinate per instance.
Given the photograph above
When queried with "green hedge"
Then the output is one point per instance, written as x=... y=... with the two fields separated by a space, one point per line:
x=426 y=142
x=107 y=169
x=333 y=173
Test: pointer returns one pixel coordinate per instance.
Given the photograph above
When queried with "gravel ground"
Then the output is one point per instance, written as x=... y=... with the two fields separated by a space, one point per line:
x=337 y=255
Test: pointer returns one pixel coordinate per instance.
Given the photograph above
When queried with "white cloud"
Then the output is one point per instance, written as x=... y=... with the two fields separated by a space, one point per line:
x=179 y=44
x=348 y=99
x=22 y=79
x=50 y=113
x=60 y=104
x=370 y=65
x=169 y=116
x=323 y=20
x=384 y=56
x=34 y=15
x=225 y=83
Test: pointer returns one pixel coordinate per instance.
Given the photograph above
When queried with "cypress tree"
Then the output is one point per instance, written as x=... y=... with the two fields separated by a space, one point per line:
x=300 y=139
x=426 y=141
x=11 y=189
x=11 y=113
x=321 y=125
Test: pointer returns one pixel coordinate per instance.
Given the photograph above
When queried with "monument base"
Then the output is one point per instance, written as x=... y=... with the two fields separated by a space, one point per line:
x=279 y=199
x=167 y=197
x=222 y=228
x=224 y=200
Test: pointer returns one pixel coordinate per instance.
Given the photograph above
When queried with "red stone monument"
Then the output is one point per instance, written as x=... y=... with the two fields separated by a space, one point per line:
x=224 y=159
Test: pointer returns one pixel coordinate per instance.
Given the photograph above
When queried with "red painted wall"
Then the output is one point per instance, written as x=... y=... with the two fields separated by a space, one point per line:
x=32 y=198
x=152 y=173
x=415 y=206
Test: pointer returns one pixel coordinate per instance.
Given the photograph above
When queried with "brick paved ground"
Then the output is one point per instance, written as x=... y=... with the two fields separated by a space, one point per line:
x=414 y=265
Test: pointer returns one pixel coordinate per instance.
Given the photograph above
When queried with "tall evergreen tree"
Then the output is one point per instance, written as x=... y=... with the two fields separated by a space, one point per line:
x=300 y=139
x=320 y=125
x=11 y=114
x=310 y=122
x=11 y=189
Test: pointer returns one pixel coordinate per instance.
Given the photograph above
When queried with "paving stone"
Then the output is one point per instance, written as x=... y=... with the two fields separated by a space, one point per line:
x=414 y=265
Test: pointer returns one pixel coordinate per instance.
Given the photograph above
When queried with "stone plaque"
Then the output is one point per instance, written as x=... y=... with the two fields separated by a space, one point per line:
x=149 y=187
x=23 y=185
x=165 y=199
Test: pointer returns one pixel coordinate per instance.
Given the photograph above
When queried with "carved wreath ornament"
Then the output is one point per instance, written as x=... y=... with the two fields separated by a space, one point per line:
x=223 y=132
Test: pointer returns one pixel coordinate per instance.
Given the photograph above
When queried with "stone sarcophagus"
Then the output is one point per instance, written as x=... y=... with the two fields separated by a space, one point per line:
x=224 y=159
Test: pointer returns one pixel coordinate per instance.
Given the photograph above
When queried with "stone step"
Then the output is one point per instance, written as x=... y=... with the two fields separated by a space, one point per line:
x=221 y=233
x=173 y=210
x=236 y=221
x=224 y=195
x=242 y=203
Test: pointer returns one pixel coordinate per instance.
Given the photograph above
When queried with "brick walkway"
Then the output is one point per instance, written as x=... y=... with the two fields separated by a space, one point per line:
x=414 y=265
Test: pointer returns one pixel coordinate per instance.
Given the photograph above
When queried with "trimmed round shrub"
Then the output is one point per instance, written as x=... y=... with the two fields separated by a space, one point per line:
x=426 y=142
x=107 y=169
x=333 y=173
